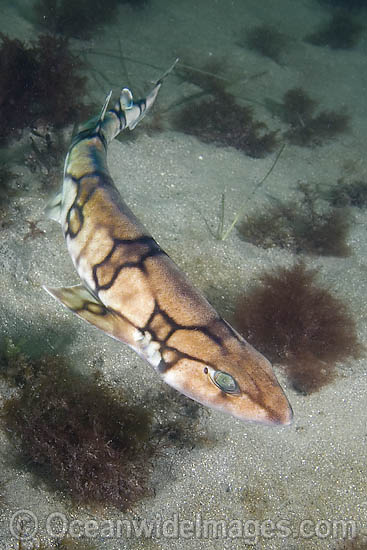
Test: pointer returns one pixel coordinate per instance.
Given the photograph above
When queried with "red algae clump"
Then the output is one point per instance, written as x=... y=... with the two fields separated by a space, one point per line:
x=294 y=321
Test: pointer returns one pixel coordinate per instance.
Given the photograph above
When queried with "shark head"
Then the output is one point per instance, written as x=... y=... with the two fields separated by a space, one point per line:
x=234 y=379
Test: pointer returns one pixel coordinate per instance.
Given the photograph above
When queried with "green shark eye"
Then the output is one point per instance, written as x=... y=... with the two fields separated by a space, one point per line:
x=225 y=382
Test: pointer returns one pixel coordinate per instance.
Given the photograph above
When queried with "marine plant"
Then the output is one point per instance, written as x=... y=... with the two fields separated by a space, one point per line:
x=345 y=5
x=6 y=177
x=341 y=32
x=352 y=193
x=213 y=76
x=209 y=76
x=359 y=542
x=266 y=40
x=46 y=156
x=214 y=115
x=308 y=128
x=29 y=73
x=78 y=19
x=293 y=320
x=93 y=439
x=222 y=121
x=79 y=432
x=64 y=543
x=300 y=226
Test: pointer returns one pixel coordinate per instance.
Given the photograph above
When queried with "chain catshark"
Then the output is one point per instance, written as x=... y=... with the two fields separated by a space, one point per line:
x=134 y=292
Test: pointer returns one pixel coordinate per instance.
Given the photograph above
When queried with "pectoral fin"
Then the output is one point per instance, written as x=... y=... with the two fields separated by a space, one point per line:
x=53 y=208
x=84 y=304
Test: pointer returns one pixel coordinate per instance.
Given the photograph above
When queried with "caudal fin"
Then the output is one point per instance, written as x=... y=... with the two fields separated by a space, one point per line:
x=136 y=111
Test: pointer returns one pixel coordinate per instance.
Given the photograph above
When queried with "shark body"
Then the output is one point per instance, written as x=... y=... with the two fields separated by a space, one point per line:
x=134 y=292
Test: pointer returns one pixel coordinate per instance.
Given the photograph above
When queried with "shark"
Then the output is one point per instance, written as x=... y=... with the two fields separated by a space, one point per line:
x=134 y=292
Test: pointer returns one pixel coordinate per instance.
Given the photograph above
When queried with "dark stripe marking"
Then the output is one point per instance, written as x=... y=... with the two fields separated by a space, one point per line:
x=153 y=250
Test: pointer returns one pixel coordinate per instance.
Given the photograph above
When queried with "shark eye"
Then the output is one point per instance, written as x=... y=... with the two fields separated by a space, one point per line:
x=225 y=382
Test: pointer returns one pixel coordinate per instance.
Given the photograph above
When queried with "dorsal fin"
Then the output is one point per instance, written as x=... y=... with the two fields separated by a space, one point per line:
x=105 y=106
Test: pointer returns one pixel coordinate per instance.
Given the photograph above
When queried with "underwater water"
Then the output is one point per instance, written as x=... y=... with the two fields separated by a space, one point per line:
x=264 y=115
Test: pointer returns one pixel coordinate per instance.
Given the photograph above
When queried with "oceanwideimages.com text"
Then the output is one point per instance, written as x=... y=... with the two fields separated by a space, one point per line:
x=24 y=524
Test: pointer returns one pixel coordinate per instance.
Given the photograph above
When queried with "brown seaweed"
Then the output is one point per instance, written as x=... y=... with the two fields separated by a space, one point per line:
x=299 y=226
x=266 y=40
x=40 y=85
x=341 y=32
x=78 y=432
x=290 y=318
x=220 y=120
x=78 y=19
x=352 y=193
x=308 y=128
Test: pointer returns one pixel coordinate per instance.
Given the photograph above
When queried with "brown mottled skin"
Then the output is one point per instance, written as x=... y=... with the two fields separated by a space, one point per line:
x=133 y=291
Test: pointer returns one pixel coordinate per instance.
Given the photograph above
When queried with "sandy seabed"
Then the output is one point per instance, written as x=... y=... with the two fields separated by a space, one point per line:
x=272 y=488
